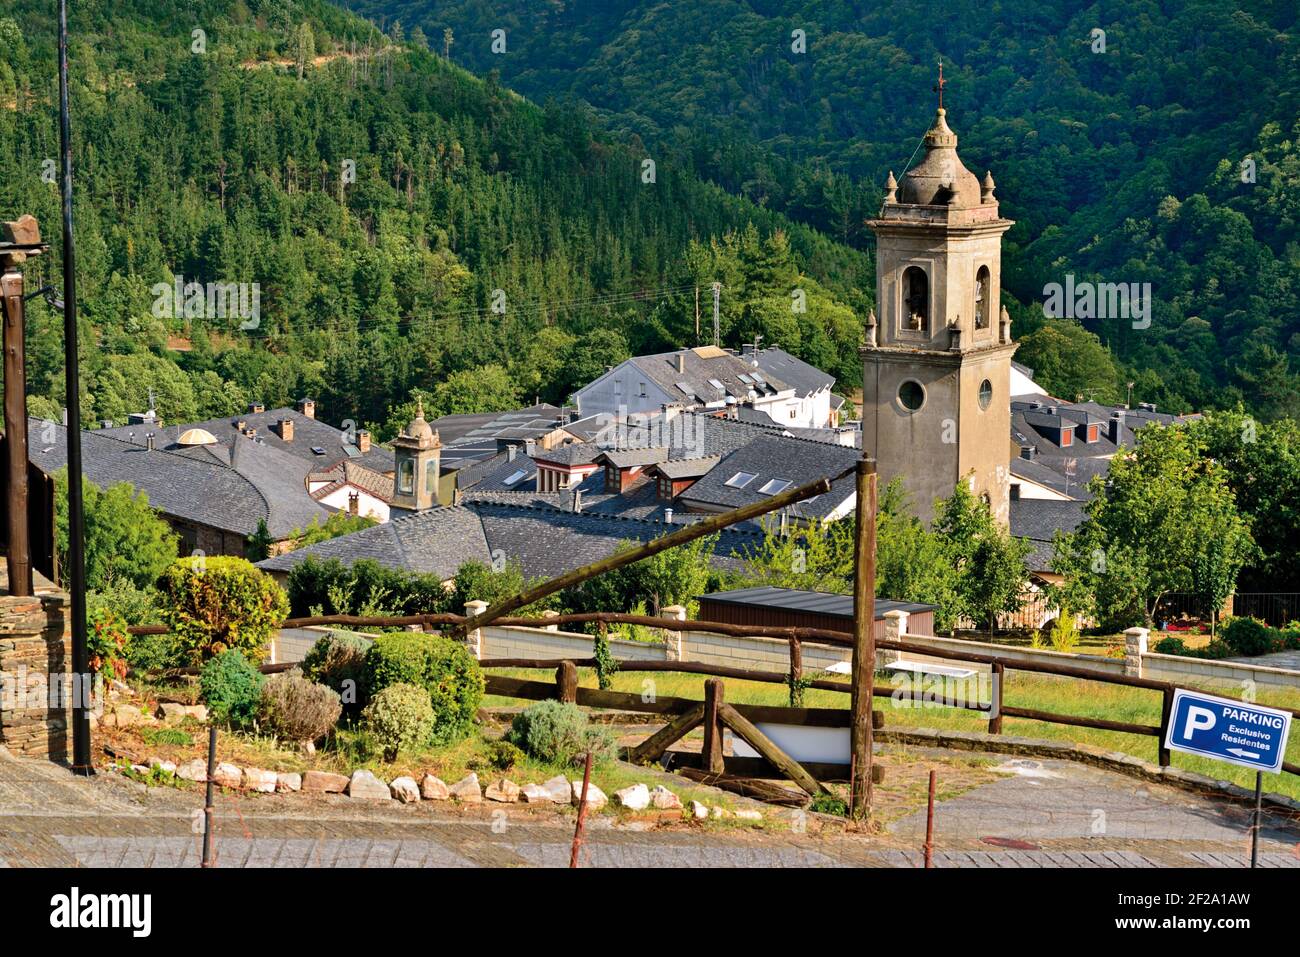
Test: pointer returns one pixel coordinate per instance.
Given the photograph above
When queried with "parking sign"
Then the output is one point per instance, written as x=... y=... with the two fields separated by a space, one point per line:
x=1226 y=730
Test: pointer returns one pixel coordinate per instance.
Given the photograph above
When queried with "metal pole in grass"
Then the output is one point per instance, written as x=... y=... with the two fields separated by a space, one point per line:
x=209 y=811
x=929 y=825
x=582 y=813
x=1254 y=828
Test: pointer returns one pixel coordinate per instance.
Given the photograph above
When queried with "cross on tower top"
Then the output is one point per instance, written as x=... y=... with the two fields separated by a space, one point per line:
x=938 y=87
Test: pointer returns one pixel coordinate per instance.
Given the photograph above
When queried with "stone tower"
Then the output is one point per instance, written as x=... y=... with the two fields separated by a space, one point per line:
x=937 y=364
x=417 y=454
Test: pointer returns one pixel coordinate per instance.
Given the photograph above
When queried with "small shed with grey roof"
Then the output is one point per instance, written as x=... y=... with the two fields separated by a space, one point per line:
x=789 y=607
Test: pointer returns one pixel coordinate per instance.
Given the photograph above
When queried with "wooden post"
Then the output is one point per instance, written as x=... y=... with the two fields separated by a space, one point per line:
x=999 y=676
x=929 y=825
x=20 y=240
x=582 y=813
x=209 y=810
x=765 y=746
x=864 y=638
x=711 y=758
x=796 y=673
x=566 y=682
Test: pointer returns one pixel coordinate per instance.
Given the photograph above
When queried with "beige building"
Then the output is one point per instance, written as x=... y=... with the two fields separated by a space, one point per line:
x=937 y=364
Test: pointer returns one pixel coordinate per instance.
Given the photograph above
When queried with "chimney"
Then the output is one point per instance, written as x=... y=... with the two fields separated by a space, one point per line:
x=256 y=407
x=577 y=500
x=1115 y=427
x=354 y=503
x=668 y=516
x=307 y=407
x=241 y=424
x=148 y=441
x=511 y=452
x=286 y=430
x=250 y=433
x=363 y=440
x=681 y=363
x=106 y=424
x=1027 y=453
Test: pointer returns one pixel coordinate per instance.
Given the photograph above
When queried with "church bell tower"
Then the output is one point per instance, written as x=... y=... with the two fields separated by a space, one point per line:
x=937 y=362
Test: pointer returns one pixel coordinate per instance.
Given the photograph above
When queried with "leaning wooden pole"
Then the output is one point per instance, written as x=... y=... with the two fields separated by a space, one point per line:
x=864 y=638
x=688 y=534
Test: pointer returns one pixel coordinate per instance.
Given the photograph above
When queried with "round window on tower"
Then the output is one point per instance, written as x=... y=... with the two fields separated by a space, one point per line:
x=911 y=395
x=986 y=393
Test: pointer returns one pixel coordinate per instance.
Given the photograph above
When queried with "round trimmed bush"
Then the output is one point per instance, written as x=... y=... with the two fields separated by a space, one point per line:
x=1248 y=636
x=1171 y=646
x=337 y=659
x=399 y=718
x=559 y=733
x=298 y=709
x=217 y=603
x=232 y=688
x=443 y=668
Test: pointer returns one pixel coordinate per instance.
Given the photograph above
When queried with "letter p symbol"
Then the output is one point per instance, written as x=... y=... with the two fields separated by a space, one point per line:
x=1198 y=719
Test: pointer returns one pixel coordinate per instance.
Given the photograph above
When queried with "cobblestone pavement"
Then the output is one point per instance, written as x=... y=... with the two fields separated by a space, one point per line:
x=1049 y=809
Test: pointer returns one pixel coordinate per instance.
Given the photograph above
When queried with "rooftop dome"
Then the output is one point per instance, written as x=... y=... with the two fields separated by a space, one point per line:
x=940 y=179
x=418 y=430
x=197 y=437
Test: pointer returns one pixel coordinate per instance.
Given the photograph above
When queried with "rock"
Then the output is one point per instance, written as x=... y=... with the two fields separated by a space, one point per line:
x=228 y=776
x=467 y=789
x=559 y=790
x=168 y=766
x=168 y=711
x=287 y=781
x=745 y=815
x=405 y=789
x=719 y=813
x=198 y=712
x=634 y=798
x=433 y=789
x=256 y=779
x=504 y=791
x=196 y=770
x=665 y=800
x=323 y=782
x=699 y=811
x=125 y=715
x=595 y=796
x=139 y=769
x=534 y=794
x=365 y=786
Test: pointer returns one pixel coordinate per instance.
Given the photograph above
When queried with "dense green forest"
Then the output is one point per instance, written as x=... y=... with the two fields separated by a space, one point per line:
x=407 y=224
x=1119 y=155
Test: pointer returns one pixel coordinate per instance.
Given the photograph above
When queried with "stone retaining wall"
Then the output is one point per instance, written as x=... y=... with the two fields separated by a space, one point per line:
x=35 y=644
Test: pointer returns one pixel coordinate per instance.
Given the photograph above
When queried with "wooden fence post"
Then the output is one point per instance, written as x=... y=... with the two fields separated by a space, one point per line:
x=1166 y=710
x=864 y=639
x=796 y=673
x=999 y=676
x=566 y=682
x=714 y=698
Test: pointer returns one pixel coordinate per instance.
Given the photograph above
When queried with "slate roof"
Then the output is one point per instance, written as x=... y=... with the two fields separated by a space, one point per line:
x=699 y=366
x=797 y=461
x=193 y=486
x=347 y=473
x=467 y=439
x=1038 y=520
x=308 y=433
x=777 y=364
x=816 y=602
x=545 y=541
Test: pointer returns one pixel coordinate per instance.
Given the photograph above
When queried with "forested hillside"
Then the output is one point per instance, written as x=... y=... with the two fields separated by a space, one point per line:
x=406 y=223
x=1120 y=155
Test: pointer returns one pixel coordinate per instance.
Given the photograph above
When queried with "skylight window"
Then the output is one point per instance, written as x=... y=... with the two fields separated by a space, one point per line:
x=740 y=479
x=317 y=450
x=686 y=389
x=514 y=477
x=774 y=486
x=745 y=379
x=716 y=384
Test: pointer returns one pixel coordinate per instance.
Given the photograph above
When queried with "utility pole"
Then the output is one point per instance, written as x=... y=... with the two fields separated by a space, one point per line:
x=697 y=315
x=864 y=640
x=717 y=298
x=81 y=762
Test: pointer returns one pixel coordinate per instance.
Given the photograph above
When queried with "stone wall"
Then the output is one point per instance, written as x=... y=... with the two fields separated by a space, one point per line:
x=35 y=644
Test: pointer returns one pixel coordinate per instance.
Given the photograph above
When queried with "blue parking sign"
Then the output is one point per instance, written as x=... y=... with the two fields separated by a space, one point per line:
x=1226 y=730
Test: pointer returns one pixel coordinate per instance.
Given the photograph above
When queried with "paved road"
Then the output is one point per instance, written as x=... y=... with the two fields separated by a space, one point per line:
x=1065 y=815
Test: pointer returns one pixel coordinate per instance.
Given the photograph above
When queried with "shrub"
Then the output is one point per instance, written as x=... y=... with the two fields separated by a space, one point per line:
x=220 y=603
x=338 y=661
x=298 y=709
x=155 y=653
x=501 y=755
x=443 y=668
x=829 y=804
x=231 y=687
x=1065 y=632
x=107 y=642
x=1248 y=636
x=342 y=589
x=1290 y=635
x=399 y=718
x=1171 y=646
x=558 y=733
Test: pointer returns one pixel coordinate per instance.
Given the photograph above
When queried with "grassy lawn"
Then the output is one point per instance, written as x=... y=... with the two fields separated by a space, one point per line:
x=1039 y=692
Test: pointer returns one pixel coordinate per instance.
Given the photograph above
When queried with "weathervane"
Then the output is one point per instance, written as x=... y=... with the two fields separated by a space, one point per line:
x=938 y=87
